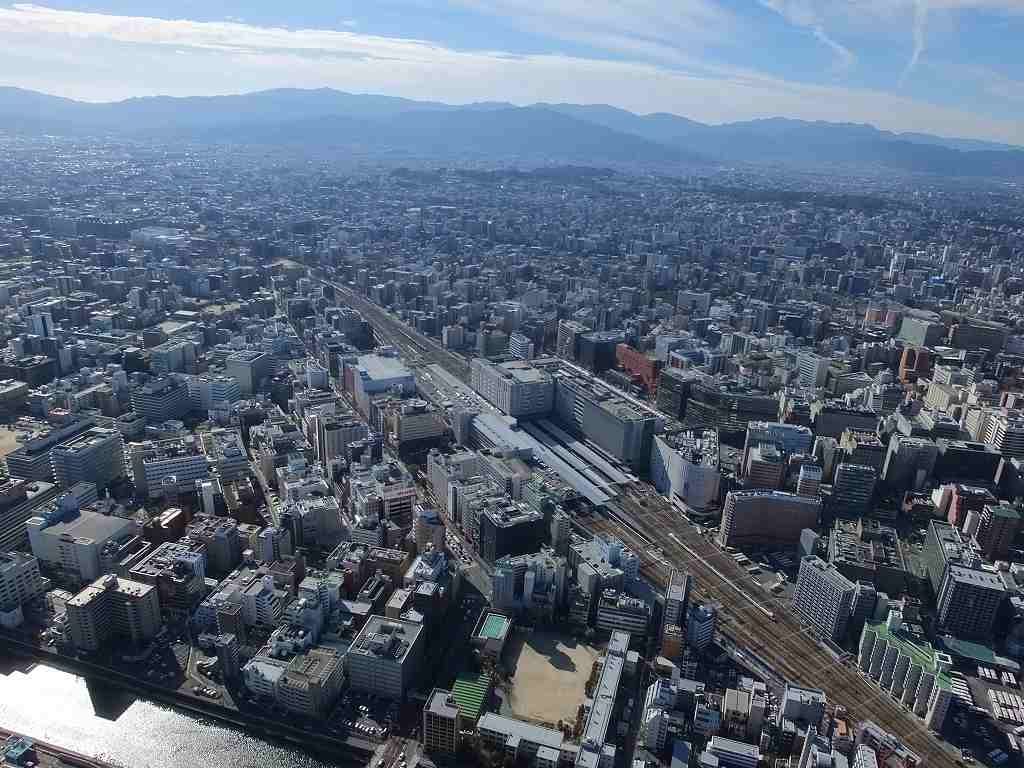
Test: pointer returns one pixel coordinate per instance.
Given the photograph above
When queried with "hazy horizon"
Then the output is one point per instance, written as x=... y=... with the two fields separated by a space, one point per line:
x=945 y=67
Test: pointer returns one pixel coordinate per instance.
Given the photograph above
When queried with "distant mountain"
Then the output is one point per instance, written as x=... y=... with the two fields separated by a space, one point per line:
x=526 y=132
x=585 y=133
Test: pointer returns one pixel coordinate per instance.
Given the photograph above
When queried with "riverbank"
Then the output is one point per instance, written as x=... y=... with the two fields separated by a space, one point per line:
x=324 y=746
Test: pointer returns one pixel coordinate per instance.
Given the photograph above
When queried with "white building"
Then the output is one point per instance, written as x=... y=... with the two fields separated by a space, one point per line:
x=20 y=583
x=69 y=544
x=516 y=388
x=95 y=456
x=823 y=598
x=113 y=607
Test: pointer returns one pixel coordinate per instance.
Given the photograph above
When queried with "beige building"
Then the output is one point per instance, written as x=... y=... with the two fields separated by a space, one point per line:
x=112 y=607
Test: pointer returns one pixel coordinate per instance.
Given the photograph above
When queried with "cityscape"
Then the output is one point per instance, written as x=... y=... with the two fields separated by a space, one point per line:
x=400 y=460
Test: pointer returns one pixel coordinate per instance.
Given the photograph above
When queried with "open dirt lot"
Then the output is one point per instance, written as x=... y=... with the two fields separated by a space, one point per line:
x=549 y=675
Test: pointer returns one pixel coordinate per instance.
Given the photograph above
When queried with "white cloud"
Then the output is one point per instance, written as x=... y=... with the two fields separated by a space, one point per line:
x=652 y=29
x=99 y=56
x=802 y=13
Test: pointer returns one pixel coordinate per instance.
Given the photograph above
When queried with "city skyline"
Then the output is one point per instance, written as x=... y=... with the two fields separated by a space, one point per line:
x=937 y=67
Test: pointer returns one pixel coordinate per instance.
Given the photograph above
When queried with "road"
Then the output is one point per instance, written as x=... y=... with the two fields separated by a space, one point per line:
x=653 y=528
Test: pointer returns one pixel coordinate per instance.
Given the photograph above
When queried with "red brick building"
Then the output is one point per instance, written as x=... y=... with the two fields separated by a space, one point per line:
x=639 y=364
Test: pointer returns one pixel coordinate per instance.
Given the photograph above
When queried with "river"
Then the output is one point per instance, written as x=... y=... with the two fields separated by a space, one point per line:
x=61 y=708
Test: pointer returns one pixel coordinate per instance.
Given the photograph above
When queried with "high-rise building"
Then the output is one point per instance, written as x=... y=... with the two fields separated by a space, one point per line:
x=677 y=598
x=853 y=489
x=791 y=439
x=520 y=347
x=686 y=465
x=1005 y=433
x=567 y=341
x=20 y=582
x=700 y=626
x=162 y=399
x=442 y=723
x=997 y=529
x=812 y=369
x=95 y=456
x=162 y=466
x=909 y=462
x=763 y=517
x=248 y=368
x=765 y=467
x=823 y=598
x=311 y=682
x=384 y=659
x=517 y=389
x=809 y=480
x=968 y=595
x=113 y=607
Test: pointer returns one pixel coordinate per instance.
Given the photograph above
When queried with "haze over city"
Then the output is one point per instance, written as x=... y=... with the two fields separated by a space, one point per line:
x=948 y=67
x=493 y=384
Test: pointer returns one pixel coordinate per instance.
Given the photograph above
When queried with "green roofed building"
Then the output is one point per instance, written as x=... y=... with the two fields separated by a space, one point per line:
x=471 y=691
x=900 y=659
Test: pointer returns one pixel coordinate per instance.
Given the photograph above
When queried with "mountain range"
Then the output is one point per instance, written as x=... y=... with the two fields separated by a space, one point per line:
x=582 y=133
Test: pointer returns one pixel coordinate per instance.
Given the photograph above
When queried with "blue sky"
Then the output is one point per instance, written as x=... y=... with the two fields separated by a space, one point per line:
x=950 y=67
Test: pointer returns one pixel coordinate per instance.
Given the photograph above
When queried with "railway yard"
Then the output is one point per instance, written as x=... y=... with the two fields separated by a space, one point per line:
x=755 y=622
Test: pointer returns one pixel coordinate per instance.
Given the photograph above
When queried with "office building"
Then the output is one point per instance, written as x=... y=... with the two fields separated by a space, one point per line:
x=161 y=467
x=729 y=753
x=310 y=684
x=1004 y=432
x=921 y=332
x=618 y=426
x=69 y=544
x=520 y=347
x=162 y=399
x=442 y=723
x=516 y=388
x=685 y=465
x=112 y=607
x=766 y=517
x=567 y=340
x=596 y=351
x=206 y=392
x=968 y=461
x=968 y=601
x=249 y=368
x=853 y=489
x=808 y=481
x=997 y=529
x=700 y=626
x=677 y=598
x=823 y=598
x=94 y=456
x=385 y=657
x=790 y=439
x=31 y=459
x=765 y=467
x=968 y=594
x=812 y=370
x=507 y=528
x=20 y=584
x=909 y=462
x=618 y=612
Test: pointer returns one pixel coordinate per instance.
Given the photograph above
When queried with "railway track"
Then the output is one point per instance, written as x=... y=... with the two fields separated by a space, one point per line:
x=664 y=541
x=782 y=643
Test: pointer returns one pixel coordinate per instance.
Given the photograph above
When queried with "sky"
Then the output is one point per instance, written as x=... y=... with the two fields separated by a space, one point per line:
x=949 y=67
